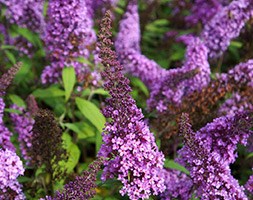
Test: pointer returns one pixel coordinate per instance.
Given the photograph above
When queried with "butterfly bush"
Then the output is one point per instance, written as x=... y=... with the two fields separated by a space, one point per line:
x=68 y=34
x=178 y=185
x=23 y=124
x=202 y=10
x=5 y=81
x=20 y=13
x=11 y=167
x=193 y=75
x=133 y=156
x=209 y=170
x=5 y=134
x=225 y=26
x=94 y=6
x=127 y=46
x=249 y=184
x=83 y=187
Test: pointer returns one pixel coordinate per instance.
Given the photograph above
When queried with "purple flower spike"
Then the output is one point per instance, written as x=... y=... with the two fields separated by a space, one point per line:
x=133 y=156
x=204 y=10
x=226 y=25
x=209 y=170
x=127 y=46
x=67 y=36
x=178 y=185
x=23 y=124
x=176 y=83
x=249 y=184
x=10 y=167
x=5 y=134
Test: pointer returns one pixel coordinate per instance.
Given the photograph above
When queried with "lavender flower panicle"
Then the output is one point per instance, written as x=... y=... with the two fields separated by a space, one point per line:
x=68 y=33
x=249 y=184
x=99 y=5
x=224 y=133
x=127 y=142
x=208 y=169
x=23 y=125
x=178 y=185
x=46 y=143
x=5 y=134
x=127 y=46
x=83 y=187
x=179 y=82
x=202 y=11
x=11 y=167
x=225 y=26
x=7 y=78
x=5 y=81
x=21 y=13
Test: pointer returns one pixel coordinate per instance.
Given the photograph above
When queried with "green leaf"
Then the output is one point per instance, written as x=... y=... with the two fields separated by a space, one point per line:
x=4 y=47
x=93 y=114
x=73 y=153
x=173 y=165
x=48 y=93
x=10 y=56
x=69 y=79
x=82 y=129
x=17 y=100
x=100 y=91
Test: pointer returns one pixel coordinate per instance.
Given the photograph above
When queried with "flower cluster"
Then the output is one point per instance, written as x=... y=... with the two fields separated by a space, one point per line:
x=21 y=13
x=68 y=34
x=11 y=167
x=178 y=185
x=46 y=143
x=94 y=6
x=208 y=168
x=5 y=134
x=127 y=46
x=5 y=81
x=7 y=77
x=128 y=144
x=226 y=25
x=202 y=10
x=249 y=184
x=176 y=83
x=23 y=124
x=83 y=187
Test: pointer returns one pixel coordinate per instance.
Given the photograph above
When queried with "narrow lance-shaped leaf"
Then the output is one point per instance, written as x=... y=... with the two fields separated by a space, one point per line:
x=69 y=79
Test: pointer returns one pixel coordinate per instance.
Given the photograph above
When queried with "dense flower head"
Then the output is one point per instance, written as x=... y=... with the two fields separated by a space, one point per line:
x=46 y=143
x=203 y=10
x=83 y=187
x=127 y=46
x=225 y=26
x=129 y=35
x=130 y=146
x=224 y=133
x=5 y=134
x=176 y=83
x=241 y=75
x=68 y=34
x=234 y=104
x=249 y=184
x=23 y=124
x=178 y=185
x=21 y=13
x=94 y=6
x=11 y=167
x=208 y=169
x=7 y=78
